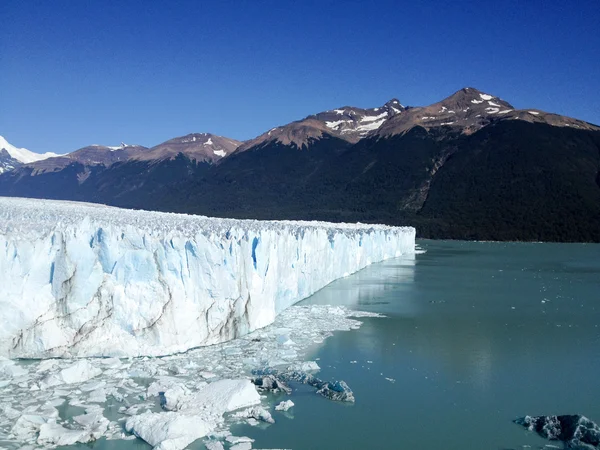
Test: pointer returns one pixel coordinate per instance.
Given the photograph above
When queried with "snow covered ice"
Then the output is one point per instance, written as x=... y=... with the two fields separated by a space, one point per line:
x=90 y=280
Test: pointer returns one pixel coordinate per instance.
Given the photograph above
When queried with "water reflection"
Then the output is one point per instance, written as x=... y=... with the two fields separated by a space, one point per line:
x=480 y=311
x=368 y=286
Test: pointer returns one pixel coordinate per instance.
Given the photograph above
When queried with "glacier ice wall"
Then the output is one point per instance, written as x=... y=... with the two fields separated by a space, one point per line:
x=79 y=279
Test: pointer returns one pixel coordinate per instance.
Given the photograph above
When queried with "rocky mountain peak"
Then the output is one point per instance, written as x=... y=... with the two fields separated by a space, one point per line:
x=7 y=162
x=199 y=146
x=395 y=104
x=348 y=123
x=468 y=109
x=475 y=99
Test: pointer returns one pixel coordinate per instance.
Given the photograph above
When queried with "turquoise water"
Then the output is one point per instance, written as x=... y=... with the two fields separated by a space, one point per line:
x=476 y=334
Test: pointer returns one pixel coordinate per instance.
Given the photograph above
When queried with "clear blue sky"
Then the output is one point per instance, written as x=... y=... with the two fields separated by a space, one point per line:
x=74 y=73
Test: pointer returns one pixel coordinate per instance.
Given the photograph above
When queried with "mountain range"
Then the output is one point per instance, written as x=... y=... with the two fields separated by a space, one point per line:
x=468 y=167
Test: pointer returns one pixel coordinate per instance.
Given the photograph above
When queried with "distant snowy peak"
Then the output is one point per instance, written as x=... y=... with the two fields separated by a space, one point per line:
x=22 y=154
x=203 y=147
x=348 y=123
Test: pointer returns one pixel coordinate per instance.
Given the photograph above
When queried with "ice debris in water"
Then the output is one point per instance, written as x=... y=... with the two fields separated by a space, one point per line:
x=575 y=431
x=257 y=413
x=336 y=390
x=169 y=401
x=284 y=405
x=84 y=280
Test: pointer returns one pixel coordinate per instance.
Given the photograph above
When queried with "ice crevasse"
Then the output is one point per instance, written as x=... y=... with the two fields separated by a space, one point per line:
x=79 y=280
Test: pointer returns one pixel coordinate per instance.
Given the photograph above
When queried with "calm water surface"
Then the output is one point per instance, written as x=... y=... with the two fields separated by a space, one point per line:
x=476 y=334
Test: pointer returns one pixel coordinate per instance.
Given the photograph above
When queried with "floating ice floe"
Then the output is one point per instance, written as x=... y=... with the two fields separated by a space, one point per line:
x=284 y=405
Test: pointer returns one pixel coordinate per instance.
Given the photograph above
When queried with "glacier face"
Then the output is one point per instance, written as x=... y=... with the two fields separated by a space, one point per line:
x=90 y=280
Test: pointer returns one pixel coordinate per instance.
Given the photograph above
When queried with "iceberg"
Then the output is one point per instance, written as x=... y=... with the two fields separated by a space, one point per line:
x=81 y=280
x=575 y=431
x=168 y=431
x=284 y=405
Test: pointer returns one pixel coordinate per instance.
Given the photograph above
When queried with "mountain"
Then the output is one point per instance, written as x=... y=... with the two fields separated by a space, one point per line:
x=92 y=155
x=347 y=123
x=12 y=157
x=469 y=110
x=7 y=162
x=199 y=146
x=131 y=174
x=471 y=166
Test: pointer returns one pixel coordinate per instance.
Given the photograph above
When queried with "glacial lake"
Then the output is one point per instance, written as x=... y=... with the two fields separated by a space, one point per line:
x=475 y=335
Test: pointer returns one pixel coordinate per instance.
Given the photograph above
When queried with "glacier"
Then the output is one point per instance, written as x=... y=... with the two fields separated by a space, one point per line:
x=80 y=280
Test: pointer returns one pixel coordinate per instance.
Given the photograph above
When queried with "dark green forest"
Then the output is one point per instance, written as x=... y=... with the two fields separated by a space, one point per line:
x=511 y=180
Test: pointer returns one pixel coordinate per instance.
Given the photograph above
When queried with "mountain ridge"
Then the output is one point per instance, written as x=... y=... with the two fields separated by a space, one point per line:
x=352 y=124
x=470 y=166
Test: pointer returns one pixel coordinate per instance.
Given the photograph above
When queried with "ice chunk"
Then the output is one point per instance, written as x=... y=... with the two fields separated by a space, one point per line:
x=53 y=433
x=94 y=423
x=575 y=431
x=257 y=413
x=336 y=390
x=284 y=405
x=90 y=280
x=172 y=398
x=92 y=386
x=28 y=426
x=271 y=383
x=169 y=430
x=78 y=372
x=97 y=396
x=10 y=369
x=238 y=439
x=214 y=445
x=306 y=366
x=241 y=446
x=224 y=396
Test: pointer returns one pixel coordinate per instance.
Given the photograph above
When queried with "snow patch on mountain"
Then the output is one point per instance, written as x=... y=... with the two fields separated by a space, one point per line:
x=364 y=129
x=336 y=124
x=374 y=118
x=114 y=148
